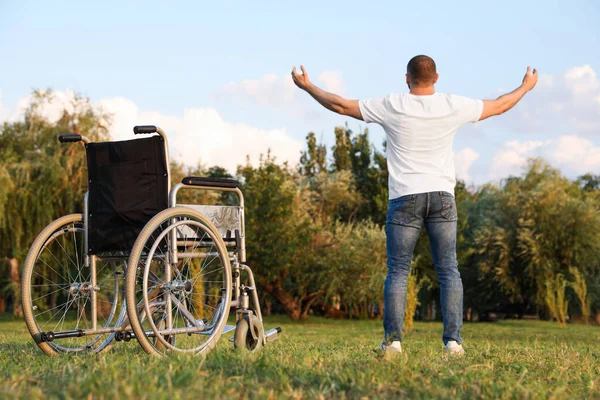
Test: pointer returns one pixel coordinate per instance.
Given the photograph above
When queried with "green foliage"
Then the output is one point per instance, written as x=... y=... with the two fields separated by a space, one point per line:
x=589 y=182
x=333 y=197
x=555 y=298
x=40 y=179
x=355 y=153
x=529 y=231
x=354 y=255
x=301 y=252
x=280 y=234
x=580 y=288
x=313 y=160
x=315 y=236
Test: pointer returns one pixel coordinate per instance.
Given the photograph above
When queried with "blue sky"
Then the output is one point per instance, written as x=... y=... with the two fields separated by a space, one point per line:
x=168 y=57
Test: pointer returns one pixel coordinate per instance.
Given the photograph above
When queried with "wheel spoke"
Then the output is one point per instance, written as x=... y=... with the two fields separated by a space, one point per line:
x=60 y=286
x=191 y=297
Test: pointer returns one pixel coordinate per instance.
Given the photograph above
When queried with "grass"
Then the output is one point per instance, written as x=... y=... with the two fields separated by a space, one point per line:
x=322 y=359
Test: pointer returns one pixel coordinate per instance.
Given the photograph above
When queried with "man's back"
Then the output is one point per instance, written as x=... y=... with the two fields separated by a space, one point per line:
x=420 y=128
x=420 y=131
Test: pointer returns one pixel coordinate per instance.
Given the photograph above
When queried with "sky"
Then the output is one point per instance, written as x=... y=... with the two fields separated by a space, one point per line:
x=216 y=75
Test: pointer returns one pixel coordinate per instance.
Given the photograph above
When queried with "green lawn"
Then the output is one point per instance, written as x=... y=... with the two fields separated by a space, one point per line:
x=322 y=359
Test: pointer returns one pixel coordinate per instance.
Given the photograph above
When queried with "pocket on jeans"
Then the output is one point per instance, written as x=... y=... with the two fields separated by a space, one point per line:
x=448 y=207
x=401 y=211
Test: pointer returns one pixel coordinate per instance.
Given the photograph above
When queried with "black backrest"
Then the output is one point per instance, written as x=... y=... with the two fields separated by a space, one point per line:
x=128 y=186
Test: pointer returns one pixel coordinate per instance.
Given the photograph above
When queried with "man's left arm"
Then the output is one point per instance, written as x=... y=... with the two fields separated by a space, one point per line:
x=330 y=101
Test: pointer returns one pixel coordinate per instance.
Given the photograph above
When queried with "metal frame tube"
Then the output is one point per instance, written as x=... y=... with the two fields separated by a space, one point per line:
x=200 y=255
x=238 y=192
x=85 y=229
x=93 y=296
x=173 y=248
x=169 y=301
x=164 y=136
x=235 y=268
x=254 y=292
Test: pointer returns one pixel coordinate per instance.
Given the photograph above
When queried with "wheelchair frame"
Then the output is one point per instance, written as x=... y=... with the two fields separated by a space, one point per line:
x=121 y=330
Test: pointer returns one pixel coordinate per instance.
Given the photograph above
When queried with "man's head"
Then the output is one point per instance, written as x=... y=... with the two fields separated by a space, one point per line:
x=421 y=72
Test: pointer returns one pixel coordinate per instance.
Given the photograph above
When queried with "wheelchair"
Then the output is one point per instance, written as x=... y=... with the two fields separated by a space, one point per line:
x=139 y=265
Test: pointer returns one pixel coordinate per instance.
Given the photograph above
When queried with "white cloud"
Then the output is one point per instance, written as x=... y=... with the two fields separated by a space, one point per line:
x=279 y=92
x=572 y=154
x=582 y=80
x=512 y=158
x=570 y=101
x=332 y=81
x=51 y=107
x=198 y=135
x=462 y=162
x=270 y=90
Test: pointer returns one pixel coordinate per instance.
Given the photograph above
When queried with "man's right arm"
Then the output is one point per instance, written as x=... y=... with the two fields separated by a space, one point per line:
x=507 y=101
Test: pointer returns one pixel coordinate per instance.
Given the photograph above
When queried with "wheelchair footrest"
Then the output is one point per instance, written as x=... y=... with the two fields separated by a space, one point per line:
x=272 y=334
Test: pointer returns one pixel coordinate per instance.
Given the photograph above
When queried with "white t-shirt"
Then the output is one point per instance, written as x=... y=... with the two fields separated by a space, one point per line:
x=420 y=131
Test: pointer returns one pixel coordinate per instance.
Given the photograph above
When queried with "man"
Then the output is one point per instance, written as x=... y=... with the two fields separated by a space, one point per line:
x=420 y=127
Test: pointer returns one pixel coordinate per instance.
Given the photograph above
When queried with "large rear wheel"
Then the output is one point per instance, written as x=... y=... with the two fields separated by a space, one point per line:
x=56 y=289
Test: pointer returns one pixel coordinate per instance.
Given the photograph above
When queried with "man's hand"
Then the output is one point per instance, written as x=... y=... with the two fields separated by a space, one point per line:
x=505 y=102
x=330 y=101
x=301 y=80
x=530 y=79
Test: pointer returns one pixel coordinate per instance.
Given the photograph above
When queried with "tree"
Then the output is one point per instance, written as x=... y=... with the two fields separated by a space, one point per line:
x=580 y=288
x=341 y=149
x=280 y=235
x=589 y=182
x=528 y=234
x=313 y=160
x=41 y=179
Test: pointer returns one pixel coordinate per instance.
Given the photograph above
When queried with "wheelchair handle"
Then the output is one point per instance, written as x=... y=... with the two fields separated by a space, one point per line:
x=72 y=138
x=144 y=129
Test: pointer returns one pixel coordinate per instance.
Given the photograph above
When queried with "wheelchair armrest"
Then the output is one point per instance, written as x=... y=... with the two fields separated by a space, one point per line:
x=212 y=182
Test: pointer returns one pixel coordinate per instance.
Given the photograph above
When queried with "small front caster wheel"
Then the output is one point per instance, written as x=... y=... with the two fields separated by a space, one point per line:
x=248 y=334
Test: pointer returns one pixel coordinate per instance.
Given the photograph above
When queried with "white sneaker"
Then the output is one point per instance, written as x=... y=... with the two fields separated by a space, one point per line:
x=454 y=349
x=394 y=347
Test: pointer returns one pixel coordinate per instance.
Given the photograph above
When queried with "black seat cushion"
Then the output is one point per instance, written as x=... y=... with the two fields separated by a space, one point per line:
x=128 y=186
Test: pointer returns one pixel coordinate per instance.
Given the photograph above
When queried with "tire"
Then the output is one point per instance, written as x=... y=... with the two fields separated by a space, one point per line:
x=249 y=334
x=53 y=290
x=198 y=292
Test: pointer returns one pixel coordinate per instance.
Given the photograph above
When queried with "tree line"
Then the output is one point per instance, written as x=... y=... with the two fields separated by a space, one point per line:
x=315 y=232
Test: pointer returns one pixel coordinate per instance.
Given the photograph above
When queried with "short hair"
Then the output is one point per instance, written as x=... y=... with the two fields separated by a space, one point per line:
x=421 y=70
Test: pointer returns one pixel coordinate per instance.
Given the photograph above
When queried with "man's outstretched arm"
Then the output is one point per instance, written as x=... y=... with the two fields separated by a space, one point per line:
x=507 y=101
x=328 y=100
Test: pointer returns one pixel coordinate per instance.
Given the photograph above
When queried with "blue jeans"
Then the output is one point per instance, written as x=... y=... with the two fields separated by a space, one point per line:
x=406 y=215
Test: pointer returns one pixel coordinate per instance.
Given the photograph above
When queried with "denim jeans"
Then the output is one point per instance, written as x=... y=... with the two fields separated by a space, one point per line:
x=406 y=216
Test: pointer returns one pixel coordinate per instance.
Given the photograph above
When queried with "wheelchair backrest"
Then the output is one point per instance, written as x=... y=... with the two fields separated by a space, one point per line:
x=128 y=185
